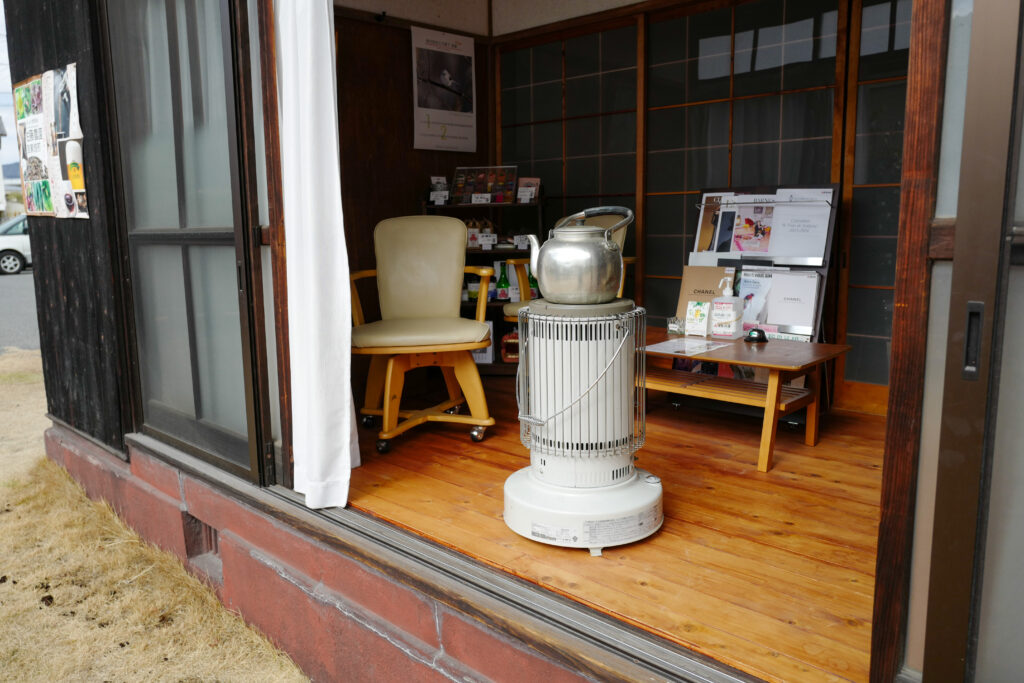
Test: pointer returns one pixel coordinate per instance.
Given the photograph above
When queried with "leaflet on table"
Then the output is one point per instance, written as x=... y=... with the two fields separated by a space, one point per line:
x=684 y=347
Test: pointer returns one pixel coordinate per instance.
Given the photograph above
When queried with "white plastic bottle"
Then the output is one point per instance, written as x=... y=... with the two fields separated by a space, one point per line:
x=727 y=313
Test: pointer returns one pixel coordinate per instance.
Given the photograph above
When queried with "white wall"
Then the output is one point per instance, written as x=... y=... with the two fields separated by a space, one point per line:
x=466 y=16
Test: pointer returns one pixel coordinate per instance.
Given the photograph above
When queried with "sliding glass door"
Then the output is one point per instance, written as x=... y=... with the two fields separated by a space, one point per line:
x=183 y=189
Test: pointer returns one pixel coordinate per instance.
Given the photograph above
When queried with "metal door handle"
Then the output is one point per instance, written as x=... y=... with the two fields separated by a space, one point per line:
x=972 y=340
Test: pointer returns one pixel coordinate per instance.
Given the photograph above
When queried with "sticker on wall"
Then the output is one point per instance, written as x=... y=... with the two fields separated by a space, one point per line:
x=50 y=143
x=444 y=85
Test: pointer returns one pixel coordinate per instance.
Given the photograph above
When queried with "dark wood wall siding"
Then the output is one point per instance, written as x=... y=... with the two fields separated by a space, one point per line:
x=382 y=175
x=74 y=273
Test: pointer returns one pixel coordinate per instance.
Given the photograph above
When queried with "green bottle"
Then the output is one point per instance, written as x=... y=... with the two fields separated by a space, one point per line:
x=534 y=287
x=502 y=284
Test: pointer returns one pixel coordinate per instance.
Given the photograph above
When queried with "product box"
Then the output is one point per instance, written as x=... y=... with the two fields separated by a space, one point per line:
x=698 y=318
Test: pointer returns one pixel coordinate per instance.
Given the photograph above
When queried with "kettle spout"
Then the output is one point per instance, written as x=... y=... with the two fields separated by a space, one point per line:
x=534 y=251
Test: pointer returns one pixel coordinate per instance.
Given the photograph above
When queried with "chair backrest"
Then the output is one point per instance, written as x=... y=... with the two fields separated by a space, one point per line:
x=420 y=266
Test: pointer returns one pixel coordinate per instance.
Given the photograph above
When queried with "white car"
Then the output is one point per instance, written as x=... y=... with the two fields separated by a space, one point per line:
x=15 y=250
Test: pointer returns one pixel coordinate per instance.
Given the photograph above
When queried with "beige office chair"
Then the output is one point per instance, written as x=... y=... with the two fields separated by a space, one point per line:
x=420 y=268
x=510 y=311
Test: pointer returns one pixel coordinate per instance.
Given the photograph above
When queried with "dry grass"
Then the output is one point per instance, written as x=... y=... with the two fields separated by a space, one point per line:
x=82 y=597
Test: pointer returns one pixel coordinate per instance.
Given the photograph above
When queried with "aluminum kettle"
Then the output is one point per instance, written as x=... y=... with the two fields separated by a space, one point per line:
x=579 y=263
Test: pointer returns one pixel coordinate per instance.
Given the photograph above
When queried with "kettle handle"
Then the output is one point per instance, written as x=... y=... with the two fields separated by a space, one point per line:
x=579 y=217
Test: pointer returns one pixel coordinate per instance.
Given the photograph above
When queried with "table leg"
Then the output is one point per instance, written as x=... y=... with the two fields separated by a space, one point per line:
x=771 y=421
x=814 y=407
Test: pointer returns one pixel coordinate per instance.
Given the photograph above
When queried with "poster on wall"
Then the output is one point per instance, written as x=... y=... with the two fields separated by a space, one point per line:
x=50 y=144
x=444 y=87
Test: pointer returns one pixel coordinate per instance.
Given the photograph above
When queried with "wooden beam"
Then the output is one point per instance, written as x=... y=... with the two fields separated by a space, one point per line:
x=922 y=130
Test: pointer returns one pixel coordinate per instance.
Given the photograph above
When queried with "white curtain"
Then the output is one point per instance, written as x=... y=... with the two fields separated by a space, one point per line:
x=319 y=306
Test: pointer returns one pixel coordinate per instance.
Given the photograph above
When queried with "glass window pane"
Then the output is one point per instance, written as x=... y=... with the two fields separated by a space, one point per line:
x=660 y=298
x=218 y=337
x=756 y=120
x=666 y=84
x=666 y=41
x=516 y=144
x=581 y=175
x=618 y=90
x=582 y=55
x=873 y=261
x=666 y=214
x=144 y=113
x=755 y=164
x=618 y=48
x=707 y=125
x=707 y=168
x=666 y=171
x=878 y=148
x=870 y=312
x=515 y=105
x=807 y=114
x=868 y=360
x=665 y=255
x=547 y=62
x=666 y=129
x=805 y=162
x=206 y=129
x=162 y=329
x=515 y=68
x=547 y=141
x=582 y=96
x=876 y=211
x=618 y=133
x=547 y=101
x=885 y=39
x=582 y=136
x=618 y=174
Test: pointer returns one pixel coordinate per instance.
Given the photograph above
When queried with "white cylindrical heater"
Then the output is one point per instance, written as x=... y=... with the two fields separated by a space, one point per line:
x=580 y=390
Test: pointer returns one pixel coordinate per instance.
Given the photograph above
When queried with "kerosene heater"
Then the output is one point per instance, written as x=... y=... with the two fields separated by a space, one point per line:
x=580 y=390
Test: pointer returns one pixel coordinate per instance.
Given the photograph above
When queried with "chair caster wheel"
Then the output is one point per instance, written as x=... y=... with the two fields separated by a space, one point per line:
x=367 y=421
x=477 y=433
x=383 y=445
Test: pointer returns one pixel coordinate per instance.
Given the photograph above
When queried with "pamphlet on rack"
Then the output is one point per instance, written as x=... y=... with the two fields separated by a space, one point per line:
x=755 y=283
x=792 y=300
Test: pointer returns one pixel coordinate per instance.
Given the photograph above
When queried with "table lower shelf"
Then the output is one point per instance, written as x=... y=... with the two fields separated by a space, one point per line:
x=745 y=392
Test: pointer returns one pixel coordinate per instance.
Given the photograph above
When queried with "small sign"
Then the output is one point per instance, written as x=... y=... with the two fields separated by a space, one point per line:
x=481 y=197
x=439 y=197
x=487 y=240
x=525 y=194
x=522 y=242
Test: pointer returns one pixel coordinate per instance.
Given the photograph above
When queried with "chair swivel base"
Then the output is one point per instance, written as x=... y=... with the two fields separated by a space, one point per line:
x=446 y=411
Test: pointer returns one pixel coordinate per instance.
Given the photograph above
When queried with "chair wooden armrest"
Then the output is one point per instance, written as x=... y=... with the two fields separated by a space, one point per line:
x=519 y=266
x=357 y=307
x=485 y=273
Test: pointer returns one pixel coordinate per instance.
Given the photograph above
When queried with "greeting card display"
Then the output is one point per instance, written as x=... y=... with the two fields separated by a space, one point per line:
x=484 y=185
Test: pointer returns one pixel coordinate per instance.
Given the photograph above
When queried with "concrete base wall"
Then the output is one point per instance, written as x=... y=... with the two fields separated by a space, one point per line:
x=337 y=618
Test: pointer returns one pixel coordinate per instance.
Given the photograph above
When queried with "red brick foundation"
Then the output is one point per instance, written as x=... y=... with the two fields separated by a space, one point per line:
x=336 y=618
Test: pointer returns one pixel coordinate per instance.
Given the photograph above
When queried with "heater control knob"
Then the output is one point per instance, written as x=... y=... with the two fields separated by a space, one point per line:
x=652 y=479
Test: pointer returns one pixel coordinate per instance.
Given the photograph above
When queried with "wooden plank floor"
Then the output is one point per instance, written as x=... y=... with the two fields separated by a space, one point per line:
x=771 y=573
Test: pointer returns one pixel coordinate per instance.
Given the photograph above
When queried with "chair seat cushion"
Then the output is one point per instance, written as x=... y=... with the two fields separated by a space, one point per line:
x=513 y=308
x=419 y=332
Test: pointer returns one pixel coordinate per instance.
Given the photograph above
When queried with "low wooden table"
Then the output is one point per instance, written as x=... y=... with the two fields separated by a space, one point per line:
x=784 y=360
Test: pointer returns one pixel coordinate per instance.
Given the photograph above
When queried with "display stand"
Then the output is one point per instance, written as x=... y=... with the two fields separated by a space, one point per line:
x=758 y=228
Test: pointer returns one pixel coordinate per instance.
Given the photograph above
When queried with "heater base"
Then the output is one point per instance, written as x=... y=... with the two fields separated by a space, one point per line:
x=593 y=518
